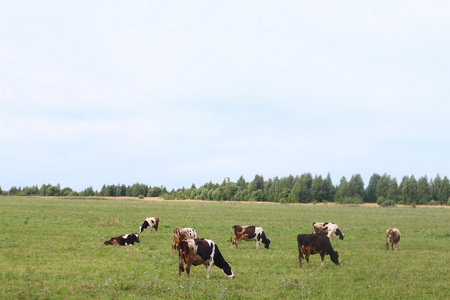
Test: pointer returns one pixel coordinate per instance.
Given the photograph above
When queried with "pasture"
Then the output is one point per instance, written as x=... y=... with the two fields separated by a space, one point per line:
x=53 y=248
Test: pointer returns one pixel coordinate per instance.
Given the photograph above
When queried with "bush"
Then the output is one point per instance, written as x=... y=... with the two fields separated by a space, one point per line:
x=353 y=200
x=141 y=197
x=380 y=201
x=434 y=202
x=388 y=203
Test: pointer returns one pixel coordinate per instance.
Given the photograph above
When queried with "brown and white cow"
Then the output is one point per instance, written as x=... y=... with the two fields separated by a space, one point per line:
x=249 y=233
x=152 y=222
x=123 y=240
x=330 y=229
x=180 y=233
x=393 y=238
x=201 y=252
x=315 y=243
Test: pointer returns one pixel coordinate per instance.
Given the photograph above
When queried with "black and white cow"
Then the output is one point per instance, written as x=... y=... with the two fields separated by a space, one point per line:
x=249 y=233
x=201 y=252
x=392 y=237
x=123 y=240
x=149 y=222
x=315 y=243
x=330 y=229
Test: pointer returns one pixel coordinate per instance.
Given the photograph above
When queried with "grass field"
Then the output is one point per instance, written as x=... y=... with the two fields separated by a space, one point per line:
x=53 y=248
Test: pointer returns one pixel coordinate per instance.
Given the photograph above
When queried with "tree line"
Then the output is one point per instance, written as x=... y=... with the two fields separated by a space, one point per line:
x=381 y=189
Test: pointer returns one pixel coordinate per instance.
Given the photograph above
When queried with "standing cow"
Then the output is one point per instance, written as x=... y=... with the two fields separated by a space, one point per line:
x=180 y=233
x=393 y=238
x=124 y=240
x=201 y=252
x=330 y=229
x=249 y=233
x=315 y=243
x=149 y=222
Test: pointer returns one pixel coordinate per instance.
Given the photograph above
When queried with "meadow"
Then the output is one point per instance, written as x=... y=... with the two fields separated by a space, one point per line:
x=52 y=248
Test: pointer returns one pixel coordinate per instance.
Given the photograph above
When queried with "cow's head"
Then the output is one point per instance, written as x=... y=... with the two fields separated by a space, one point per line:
x=334 y=257
x=340 y=234
x=136 y=238
x=227 y=271
x=266 y=243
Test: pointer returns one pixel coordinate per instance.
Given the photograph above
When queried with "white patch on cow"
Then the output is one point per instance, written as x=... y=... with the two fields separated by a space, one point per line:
x=258 y=230
x=125 y=236
x=211 y=257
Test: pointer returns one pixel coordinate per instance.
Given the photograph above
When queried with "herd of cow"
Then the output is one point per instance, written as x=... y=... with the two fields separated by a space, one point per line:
x=195 y=251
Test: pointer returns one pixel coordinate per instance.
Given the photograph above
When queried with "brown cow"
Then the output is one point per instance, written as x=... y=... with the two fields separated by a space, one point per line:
x=249 y=233
x=201 y=252
x=182 y=234
x=393 y=238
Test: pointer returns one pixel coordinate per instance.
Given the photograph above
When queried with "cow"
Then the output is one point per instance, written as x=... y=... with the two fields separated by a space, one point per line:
x=123 y=240
x=149 y=222
x=180 y=233
x=249 y=233
x=393 y=238
x=201 y=252
x=330 y=229
x=315 y=243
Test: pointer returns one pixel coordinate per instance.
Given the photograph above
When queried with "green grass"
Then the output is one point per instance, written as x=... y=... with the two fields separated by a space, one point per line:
x=53 y=248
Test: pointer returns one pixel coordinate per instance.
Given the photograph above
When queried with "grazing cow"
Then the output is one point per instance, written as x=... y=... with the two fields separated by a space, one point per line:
x=313 y=244
x=182 y=234
x=393 y=238
x=249 y=233
x=330 y=229
x=124 y=240
x=149 y=222
x=201 y=252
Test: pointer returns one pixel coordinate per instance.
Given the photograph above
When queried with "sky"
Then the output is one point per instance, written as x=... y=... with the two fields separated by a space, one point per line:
x=175 y=93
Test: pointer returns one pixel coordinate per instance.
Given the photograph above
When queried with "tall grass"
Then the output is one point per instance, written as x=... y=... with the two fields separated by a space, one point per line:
x=53 y=248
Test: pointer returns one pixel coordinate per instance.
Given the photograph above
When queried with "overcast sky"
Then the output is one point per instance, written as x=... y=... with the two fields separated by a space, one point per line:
x=179 y=92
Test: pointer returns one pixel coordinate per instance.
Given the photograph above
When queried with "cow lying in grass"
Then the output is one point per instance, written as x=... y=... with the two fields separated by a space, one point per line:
x=315 y=243
x=393 y=238
x=123 y=240
x=201 y=252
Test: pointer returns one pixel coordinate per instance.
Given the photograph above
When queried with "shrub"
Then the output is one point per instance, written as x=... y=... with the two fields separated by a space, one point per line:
x=388 y=203
x=434 y=202
x=141 y=197
x=380 y=201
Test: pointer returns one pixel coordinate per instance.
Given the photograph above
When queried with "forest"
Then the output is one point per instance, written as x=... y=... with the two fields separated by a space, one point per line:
x=381 y=189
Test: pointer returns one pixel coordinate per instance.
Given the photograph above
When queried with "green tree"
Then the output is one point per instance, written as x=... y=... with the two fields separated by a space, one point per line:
x=371 y=191
x=435 y=186
x=356 y=187
x=342 y=191
x=423 y=191
x=444 y=191
x=317 y=190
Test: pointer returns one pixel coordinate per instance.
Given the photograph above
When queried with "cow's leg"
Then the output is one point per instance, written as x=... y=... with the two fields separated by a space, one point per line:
x=234 y=242
x=307 y=259
x=208 y=269
x=394 y=246
x=322 y=257
x=387 y=245
x=188 y=269
x=180 y=268
x=300 y=256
